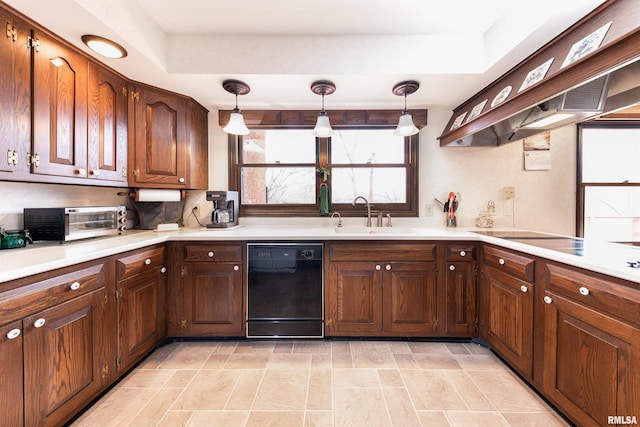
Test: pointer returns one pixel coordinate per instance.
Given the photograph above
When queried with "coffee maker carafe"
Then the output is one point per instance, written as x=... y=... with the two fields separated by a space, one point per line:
x=225 y=208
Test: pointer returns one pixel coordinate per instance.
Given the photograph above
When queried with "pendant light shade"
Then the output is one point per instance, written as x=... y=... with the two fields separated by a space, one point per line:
x=323 y=126
x=405 y=123
x=236 y=125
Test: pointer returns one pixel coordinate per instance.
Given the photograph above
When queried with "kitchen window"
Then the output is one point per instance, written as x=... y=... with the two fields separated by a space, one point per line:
x=609 y=181
x=279 y=171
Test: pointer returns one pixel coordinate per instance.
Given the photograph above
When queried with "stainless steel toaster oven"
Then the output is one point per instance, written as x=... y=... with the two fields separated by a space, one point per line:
x=74 y=223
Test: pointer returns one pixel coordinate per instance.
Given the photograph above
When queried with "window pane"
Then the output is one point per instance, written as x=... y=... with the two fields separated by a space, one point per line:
x=278 y=185
x=378 y=185
x=366 y=146
x=610 y=155
x=273 y=146
x=612 y=213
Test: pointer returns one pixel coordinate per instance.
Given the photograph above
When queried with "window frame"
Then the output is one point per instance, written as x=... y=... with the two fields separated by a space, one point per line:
x=580 y=185
x=323 y=156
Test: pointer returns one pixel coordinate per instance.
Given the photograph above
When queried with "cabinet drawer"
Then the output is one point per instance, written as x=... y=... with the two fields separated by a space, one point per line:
x=383 y=251
x=24 y=300
x=611 y=297
x=138 y=262
x=461 y=252
x=213 y=253
x=513 y=264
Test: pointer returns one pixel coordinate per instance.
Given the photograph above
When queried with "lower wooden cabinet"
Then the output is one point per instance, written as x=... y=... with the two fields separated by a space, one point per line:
x=507 y=303
x=459 y=301
x=141 y=295
x=63 y=363
x=11 y=392
x=208 y=300
x=372 y=291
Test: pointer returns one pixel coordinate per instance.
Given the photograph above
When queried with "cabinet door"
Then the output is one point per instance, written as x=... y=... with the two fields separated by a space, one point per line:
x=509 y=318
x=63 y=362
x=106 y=125
x=141 y=319
x=59 y=108
x=15 y=93
x=590 y=362
x=213 y=299
x=460 y=284
x=354 y=298
x=409 y=295
x=159 y=147
x=11 y=378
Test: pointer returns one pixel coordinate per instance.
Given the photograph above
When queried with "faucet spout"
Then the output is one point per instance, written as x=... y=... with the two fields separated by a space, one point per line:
x=368 y=208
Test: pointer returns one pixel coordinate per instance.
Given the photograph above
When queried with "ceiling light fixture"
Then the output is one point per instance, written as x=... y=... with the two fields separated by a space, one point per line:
x=323 y=127
x=104 y=47
x=405 y=124
x=236 y=124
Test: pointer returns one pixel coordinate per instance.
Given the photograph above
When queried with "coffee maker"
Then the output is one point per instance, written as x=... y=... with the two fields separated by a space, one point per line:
x=225 y=208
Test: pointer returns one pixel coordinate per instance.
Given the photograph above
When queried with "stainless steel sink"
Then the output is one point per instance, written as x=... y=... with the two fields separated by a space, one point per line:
x=356 y=229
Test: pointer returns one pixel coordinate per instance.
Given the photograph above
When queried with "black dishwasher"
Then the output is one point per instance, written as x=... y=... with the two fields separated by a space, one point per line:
x=285 y=290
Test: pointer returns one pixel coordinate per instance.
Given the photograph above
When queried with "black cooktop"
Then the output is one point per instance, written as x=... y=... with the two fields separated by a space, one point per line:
x=565 y=244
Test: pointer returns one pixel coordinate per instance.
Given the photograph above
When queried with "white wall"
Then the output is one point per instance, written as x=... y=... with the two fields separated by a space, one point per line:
x=545 y=200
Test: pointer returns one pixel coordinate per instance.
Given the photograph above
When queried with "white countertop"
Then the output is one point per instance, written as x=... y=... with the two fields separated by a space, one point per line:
x=602 y=257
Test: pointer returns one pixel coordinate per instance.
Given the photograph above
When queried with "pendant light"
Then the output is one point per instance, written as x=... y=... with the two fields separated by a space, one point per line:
x=236 y=124
x=323 y=127
x=405 y=123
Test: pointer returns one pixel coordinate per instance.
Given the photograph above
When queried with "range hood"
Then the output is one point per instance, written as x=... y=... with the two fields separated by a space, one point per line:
x=601 y=82
x=611 y=92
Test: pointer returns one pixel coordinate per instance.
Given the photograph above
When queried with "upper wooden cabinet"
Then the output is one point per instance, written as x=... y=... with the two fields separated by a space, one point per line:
x=15 y=93
x=59 y=108
x=167 y=145
x=106 y=125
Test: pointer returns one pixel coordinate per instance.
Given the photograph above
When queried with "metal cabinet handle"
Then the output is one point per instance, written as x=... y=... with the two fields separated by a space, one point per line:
x=378 y=267
x=452 y=267
x=584 y=291
x=236 y=268
x=39 y=323
x=147 y=261
x=211 y=254
x=523 y=288
x=548 y=299
x=387 y=267
x=74 y=286
x=501 y=261
x=463 y=253
x=13 y=334
x=163 y=270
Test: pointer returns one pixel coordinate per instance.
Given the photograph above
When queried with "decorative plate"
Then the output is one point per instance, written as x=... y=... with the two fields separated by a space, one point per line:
x=475 y=112
x=501 y=96
x=536 y=75
x=586 y=45
x=458 y=121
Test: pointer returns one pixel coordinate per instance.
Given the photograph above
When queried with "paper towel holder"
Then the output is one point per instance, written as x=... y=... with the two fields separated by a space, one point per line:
x=135 y=195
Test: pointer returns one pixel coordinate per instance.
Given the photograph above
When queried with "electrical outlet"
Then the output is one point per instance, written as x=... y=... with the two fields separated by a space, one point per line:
x=508 y=209
x=428 y=209
x=509 y=192
x=195 y=208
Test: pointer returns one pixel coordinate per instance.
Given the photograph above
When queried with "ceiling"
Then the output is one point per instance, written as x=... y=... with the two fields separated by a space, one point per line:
x=279 y=47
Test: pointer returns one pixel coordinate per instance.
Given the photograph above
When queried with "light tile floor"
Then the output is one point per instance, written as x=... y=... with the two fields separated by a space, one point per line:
x=320 y=383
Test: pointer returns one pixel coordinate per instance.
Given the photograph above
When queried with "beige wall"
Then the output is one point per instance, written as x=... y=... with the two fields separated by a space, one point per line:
x=545 y=200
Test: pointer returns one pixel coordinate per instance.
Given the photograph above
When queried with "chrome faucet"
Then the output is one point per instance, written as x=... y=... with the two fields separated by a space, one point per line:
x=368 y=208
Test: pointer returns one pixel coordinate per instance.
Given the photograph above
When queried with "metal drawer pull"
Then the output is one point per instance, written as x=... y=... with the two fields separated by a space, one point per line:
x=523 y=288
x=452 y=267
x=147 y=261
x=13 y=334
x=236 y=268
x=548 y=300
x=463 y=253
x=501 y=261
x=163 y=270
x=378 y=267
x=210 y=254
x=584 y=291
x=74 y=286
x=387 y=267
x=39 y=323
